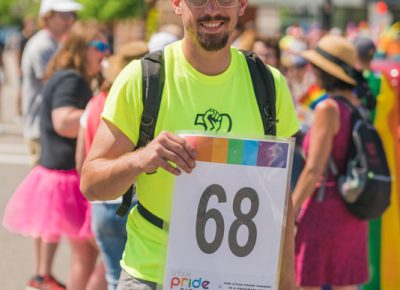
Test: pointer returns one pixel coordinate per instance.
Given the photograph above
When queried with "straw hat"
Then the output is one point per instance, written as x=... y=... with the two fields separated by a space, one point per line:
x=334 y=55
x=113 y=65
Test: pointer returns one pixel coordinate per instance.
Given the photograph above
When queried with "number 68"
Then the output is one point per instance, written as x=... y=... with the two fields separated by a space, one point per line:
x=203 y=215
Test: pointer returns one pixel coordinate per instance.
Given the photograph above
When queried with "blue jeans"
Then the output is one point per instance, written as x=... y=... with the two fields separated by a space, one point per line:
x=110 y=233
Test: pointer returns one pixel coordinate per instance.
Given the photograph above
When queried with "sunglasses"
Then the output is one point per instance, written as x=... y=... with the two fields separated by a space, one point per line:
x=67 y=15
x=99 y=45
x=220 y=3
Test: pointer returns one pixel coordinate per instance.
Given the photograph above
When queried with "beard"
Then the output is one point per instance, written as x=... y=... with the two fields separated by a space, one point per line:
x=212 y=42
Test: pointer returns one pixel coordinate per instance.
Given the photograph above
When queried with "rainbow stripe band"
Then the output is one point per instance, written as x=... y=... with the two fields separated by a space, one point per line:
x=241 y=152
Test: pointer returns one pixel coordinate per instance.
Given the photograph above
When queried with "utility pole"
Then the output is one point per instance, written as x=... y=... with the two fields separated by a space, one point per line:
x=366 y=6
x=326 y=15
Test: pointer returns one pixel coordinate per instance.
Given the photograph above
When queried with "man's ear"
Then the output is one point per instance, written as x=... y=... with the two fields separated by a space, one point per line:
x=177 y=6
x=242 y=7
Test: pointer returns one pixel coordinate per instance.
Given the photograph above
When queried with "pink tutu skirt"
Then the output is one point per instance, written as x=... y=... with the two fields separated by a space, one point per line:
x=48 y=204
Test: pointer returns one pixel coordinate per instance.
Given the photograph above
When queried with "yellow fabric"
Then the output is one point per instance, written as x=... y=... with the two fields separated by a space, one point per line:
x=386 y=123
x=188 y=96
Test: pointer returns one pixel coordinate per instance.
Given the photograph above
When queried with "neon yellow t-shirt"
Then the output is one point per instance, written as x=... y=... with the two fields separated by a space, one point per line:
x=189 y=98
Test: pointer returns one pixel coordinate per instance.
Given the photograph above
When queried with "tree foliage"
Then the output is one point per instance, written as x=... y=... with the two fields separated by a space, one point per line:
x=13 y=11
x=107 y=10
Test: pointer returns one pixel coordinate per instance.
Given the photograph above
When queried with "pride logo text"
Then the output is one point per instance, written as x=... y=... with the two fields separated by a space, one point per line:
x=189 y=283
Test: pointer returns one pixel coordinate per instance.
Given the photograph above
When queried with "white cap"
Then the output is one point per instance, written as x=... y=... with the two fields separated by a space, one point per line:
x=59 y=6
x=161 y=39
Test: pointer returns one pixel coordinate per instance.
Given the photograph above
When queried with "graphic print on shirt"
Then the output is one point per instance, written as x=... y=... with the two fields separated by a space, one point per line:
x=213 y=121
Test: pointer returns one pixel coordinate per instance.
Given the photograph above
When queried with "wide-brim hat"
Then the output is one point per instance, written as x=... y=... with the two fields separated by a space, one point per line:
x=113 y=65
x=334 y=55
x=59 y=6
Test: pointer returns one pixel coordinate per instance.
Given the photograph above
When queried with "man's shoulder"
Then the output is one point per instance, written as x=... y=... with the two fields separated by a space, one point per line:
x=41 y=41
x=129 y=78
x=275 y=72
x=278 y=76
x=131 y=70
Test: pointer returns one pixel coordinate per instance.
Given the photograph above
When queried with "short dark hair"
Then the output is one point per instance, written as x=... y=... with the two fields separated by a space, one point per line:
x=272 y=43
x=330 y=82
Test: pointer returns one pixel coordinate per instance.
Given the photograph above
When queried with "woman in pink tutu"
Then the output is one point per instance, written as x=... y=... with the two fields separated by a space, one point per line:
x=48 y=203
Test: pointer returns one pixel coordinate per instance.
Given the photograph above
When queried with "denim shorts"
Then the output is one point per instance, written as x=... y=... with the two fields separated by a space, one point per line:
x=110 y=233
x=127 y=282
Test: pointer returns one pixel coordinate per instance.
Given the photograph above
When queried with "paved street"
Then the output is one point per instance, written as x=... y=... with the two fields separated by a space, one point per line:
x=16 y=253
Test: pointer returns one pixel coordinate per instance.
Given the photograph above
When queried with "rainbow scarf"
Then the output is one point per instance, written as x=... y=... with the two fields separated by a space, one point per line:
x=313 y=96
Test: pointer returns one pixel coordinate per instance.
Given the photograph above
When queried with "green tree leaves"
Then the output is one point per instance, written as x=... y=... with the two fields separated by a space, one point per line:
x=13 y=11
x=107 y=10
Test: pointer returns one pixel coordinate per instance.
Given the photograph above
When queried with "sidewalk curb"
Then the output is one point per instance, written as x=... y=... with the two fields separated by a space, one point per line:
x=11 y=129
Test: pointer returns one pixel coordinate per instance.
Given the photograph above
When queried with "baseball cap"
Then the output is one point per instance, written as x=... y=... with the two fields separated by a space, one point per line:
x=161 y=39
x=59 y=6
x=365 y=47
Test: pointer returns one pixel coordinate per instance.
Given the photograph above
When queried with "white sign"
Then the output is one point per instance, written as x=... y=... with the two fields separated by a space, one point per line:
x=226 y=222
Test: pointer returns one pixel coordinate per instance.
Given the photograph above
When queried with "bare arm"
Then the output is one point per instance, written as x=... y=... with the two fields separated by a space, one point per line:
x=66 y=121
x=80 y=153
x=287 y=275
x=325 y=126
x=111 y=166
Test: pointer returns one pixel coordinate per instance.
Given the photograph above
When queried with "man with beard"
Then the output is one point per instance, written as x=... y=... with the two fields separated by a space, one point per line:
x=204 y=76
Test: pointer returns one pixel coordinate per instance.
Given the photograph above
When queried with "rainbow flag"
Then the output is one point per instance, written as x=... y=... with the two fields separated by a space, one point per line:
x=313 y=96
x=384 y=233
x=240 y=152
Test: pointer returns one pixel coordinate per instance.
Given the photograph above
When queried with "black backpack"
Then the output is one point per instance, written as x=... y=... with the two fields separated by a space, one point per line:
x=366 y=185
x=153 y=78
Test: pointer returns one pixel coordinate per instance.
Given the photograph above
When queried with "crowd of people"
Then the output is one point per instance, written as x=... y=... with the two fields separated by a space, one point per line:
x=82 y=107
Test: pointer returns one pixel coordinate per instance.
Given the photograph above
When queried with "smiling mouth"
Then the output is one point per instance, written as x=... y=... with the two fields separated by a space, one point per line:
x=212 y=24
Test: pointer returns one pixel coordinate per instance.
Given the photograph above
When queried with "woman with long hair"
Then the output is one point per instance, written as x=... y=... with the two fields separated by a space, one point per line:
x=331 y=243
x=108 y=228
x=48 y=203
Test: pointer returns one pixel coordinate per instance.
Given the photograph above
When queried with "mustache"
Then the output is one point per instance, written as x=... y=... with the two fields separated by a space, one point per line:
x=207 y=18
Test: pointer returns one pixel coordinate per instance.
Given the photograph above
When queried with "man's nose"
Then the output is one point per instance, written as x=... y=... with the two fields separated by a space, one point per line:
x=212 y=5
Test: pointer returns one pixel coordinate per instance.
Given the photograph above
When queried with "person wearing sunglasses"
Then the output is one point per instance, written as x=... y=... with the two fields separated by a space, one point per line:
x=100 y=46
x=203 y=73
x=48 y=204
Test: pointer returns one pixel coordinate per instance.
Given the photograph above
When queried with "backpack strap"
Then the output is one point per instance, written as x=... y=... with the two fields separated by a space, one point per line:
x=153 y=79
x=357 y=112
x=125 y=205
x=264 y=89
x=331 y=166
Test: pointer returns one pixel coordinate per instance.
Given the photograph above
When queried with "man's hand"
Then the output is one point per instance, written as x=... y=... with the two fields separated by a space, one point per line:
x=166 y=148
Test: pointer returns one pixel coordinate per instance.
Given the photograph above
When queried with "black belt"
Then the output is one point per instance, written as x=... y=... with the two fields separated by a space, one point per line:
x=147 y=215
